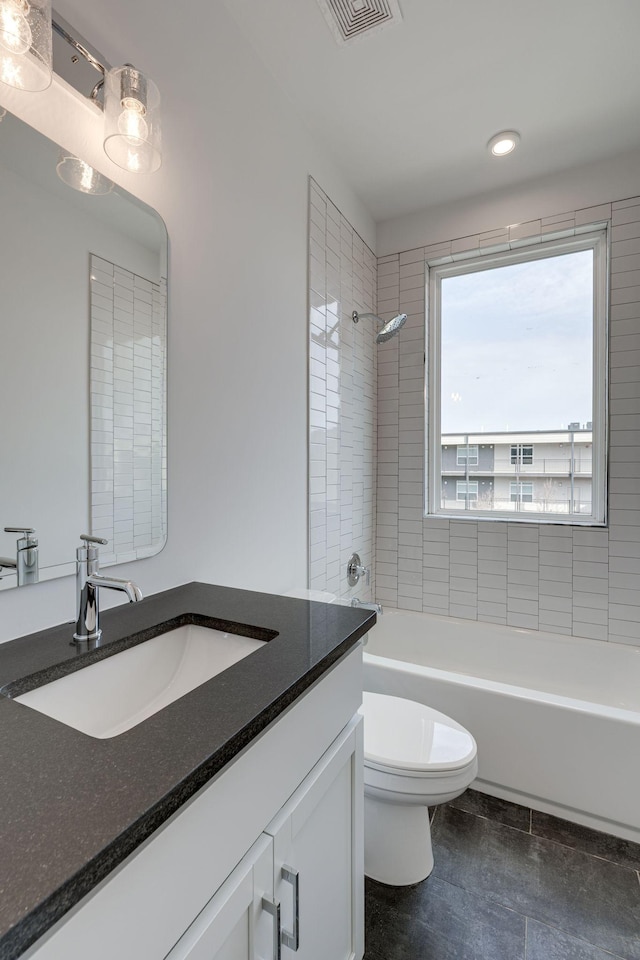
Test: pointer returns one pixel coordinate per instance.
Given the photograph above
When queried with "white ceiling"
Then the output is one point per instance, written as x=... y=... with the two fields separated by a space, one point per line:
x=407 y=111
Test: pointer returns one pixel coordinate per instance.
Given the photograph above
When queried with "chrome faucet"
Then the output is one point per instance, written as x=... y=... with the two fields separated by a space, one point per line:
x=26 y=561
x=88 y=583
x=377 y=607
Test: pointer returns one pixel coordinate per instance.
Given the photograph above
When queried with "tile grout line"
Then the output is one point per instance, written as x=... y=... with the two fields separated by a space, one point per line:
x=574 y=936
x=526 y=937
x=560 y=843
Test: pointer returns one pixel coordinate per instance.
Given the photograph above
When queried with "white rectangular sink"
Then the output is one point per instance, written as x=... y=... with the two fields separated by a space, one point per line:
x=114 y=694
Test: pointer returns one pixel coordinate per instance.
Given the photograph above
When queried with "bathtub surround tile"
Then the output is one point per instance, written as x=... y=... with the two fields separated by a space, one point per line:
x=492 y=612
x=586 y=897
x=508 y=546
x=524 y=620
x=343 y=422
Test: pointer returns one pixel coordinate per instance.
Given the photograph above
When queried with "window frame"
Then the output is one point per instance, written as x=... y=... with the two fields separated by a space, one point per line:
x=593 y=237
x=468 y=493
x=520 y=458
x=468 y=459
x=519 y=496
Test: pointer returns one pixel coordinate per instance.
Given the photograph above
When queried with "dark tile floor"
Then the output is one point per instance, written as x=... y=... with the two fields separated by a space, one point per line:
x=510 y=883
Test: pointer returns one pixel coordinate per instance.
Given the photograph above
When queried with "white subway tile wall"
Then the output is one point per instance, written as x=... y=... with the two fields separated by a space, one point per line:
x=571 y=580
x=342 y=401
x=128 y=416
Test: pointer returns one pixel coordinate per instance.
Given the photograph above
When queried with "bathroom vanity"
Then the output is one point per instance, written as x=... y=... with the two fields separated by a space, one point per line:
x=198 y=831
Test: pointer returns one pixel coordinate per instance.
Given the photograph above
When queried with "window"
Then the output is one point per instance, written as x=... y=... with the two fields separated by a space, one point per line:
x=521 y=492
x=521 y=454
x=517 y=360
x=467 y=490
x=467 y=456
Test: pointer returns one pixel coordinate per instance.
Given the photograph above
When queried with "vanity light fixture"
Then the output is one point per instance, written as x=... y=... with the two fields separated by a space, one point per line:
x=129 y=99
x=25 y=44
x=81 y=176
x=503 y=143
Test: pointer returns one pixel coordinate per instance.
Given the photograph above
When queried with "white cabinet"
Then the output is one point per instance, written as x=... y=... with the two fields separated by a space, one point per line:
x=318 y=858
x=298 y=891
x=293 y=798
x=242 y=920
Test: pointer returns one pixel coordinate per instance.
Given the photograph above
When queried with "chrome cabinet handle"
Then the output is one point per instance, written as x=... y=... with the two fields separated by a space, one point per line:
x=273 y=908
x=292 y=940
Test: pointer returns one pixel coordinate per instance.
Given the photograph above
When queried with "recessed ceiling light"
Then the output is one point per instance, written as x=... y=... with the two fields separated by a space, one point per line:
x=503 y=143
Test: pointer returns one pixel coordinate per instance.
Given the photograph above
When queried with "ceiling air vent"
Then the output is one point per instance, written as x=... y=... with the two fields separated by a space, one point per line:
x=351 y=19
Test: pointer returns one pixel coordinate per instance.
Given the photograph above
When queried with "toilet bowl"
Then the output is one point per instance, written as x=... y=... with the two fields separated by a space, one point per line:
x=414 y=758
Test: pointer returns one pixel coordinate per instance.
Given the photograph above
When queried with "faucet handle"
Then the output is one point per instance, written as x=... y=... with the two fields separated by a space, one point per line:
x=355 y=570
x=28 y=539
x=88 y=550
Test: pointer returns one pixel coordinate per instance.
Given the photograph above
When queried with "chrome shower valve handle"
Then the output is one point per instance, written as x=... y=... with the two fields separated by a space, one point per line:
x=355 y=570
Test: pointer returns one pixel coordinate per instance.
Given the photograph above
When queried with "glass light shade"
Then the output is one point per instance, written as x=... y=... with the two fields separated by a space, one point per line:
x=25 y=44
x=78 y=174
x=132 y=120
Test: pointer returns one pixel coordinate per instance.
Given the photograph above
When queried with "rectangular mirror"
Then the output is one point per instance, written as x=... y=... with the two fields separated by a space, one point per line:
x=83 y=329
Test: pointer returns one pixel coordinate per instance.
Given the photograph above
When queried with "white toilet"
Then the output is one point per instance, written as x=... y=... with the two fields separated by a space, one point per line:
x=414 y=758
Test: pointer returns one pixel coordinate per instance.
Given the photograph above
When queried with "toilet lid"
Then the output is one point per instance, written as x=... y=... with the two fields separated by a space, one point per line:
x=404 y=734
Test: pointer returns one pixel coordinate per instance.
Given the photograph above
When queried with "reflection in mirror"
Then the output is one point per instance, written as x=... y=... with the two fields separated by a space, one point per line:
x=82 y=365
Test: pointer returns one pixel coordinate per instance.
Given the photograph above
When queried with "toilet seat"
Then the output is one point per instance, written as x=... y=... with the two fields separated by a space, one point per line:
x=408 y=739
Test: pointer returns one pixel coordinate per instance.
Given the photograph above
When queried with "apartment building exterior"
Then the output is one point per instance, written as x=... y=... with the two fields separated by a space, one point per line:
x=537 y=471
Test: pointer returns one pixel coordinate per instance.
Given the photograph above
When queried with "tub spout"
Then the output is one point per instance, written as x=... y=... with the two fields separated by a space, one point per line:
x=377 y=607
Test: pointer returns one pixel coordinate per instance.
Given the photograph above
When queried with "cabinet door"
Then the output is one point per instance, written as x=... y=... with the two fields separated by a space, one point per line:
x=318 y=857
x=241 y=922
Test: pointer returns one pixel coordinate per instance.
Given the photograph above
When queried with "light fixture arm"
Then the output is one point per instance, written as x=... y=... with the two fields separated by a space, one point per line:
x=63 y=29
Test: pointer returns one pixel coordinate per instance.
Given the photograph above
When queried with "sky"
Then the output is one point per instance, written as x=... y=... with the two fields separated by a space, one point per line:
x=517 y=346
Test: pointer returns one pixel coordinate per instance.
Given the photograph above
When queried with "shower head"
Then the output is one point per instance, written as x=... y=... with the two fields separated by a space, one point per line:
x=389 y=329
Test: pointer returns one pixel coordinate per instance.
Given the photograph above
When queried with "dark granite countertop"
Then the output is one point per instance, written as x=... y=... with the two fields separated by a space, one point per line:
x=73 y=807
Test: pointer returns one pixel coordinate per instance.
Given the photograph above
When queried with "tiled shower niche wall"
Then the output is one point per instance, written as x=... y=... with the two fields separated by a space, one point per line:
x=570 y=580
x=342 y=400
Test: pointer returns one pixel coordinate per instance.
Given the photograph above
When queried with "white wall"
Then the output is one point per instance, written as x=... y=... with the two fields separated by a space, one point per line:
x=233 y=192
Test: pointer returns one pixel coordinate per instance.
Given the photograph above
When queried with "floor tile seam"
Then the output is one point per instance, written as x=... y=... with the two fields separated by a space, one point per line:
x=580 y=939
x=481 y=896
x=526 y=937
x=492 y=898
x=482 y=816
x=538 y=836
x=603 y=833
x=428 y=927
x=594 y=856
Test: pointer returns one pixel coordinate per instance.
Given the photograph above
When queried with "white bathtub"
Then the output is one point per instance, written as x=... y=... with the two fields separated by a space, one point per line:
x=556 y=719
